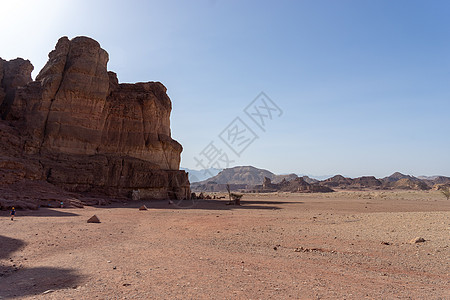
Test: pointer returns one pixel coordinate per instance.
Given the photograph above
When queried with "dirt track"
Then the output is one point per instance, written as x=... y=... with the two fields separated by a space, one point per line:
x=350 y=245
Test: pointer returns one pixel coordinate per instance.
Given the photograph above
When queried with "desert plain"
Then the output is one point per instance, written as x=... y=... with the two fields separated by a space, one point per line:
x=342 y=245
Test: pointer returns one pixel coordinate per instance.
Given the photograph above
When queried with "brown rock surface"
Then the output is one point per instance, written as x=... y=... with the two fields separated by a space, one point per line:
x=76 y=127
x=13 y=74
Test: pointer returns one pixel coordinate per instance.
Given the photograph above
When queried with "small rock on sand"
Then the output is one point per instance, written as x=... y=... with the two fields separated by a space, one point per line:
x=143 y=207
x=93 y=219
x=417 y=240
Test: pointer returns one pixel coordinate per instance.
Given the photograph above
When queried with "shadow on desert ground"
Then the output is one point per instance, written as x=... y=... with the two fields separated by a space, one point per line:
x=210 y=204
x=9 y=245
x=41 y=212
x=18 y=281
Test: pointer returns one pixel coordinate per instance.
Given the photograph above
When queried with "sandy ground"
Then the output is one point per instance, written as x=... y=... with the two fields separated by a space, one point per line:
x=344 y=245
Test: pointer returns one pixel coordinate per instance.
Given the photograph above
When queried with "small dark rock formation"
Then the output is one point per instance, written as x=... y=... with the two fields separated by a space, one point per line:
x=298 y=185
x=94 y=219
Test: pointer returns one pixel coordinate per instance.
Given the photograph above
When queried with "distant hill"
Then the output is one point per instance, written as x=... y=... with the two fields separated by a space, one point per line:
x=297 y=185
x=241 y=175
x=239 y=178
x=402 y=181
x=315 y=177
x=397 y=176
x=248 y=175
x=409 y=184
x=200 y=175
x=309 y=180
x=340 y=181
x=288 y=177
x=433 y=180
x=337 y=181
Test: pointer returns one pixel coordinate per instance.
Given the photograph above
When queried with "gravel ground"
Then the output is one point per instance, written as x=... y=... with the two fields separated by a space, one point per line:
x=344 y=245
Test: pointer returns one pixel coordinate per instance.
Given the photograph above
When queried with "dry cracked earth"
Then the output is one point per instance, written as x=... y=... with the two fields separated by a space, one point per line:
x=344 y=245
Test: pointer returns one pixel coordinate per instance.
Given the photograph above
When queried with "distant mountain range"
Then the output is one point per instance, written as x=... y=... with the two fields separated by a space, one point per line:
x=249 y=178
x=200 y=175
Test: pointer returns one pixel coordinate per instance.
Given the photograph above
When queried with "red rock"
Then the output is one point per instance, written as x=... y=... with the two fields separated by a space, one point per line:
x=77 y=128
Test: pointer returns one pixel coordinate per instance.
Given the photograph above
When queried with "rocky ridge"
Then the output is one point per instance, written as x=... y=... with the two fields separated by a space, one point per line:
x=245 y=179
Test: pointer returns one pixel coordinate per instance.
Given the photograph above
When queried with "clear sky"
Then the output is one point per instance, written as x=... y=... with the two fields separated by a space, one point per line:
x=363 y=86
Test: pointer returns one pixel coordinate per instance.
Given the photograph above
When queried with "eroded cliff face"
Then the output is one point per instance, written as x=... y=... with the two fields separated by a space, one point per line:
x=87 y=132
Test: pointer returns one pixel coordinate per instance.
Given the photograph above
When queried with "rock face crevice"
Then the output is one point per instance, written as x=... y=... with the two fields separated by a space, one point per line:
x=86 y=131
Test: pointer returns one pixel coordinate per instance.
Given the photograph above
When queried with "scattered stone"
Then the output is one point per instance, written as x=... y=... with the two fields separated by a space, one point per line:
x=48 y=292
x=385 y=243
x=275 y=248
x=417 y=240
x=126 y=284
x=143 y=207
x=94 y=219
x=301 y=249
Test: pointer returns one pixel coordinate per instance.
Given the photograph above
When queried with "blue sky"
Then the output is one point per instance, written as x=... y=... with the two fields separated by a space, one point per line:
x=363 y=85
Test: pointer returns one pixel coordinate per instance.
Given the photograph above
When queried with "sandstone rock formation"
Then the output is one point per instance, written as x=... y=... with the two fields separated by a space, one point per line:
x=13 y=74
x=78 y=128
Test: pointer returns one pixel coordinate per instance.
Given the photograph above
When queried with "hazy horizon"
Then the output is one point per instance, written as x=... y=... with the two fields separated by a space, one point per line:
x=350 y=87
x=324 y=176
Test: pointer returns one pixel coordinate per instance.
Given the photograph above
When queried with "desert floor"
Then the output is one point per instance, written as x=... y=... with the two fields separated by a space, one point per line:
x=344 y=245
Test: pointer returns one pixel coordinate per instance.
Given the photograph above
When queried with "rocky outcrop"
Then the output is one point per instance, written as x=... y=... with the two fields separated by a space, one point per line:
x=86 y=132
x=407 y=184
x=297 y=185
x=366 y=182
x=342 y=182
x=337 y=181
x=309 y=180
